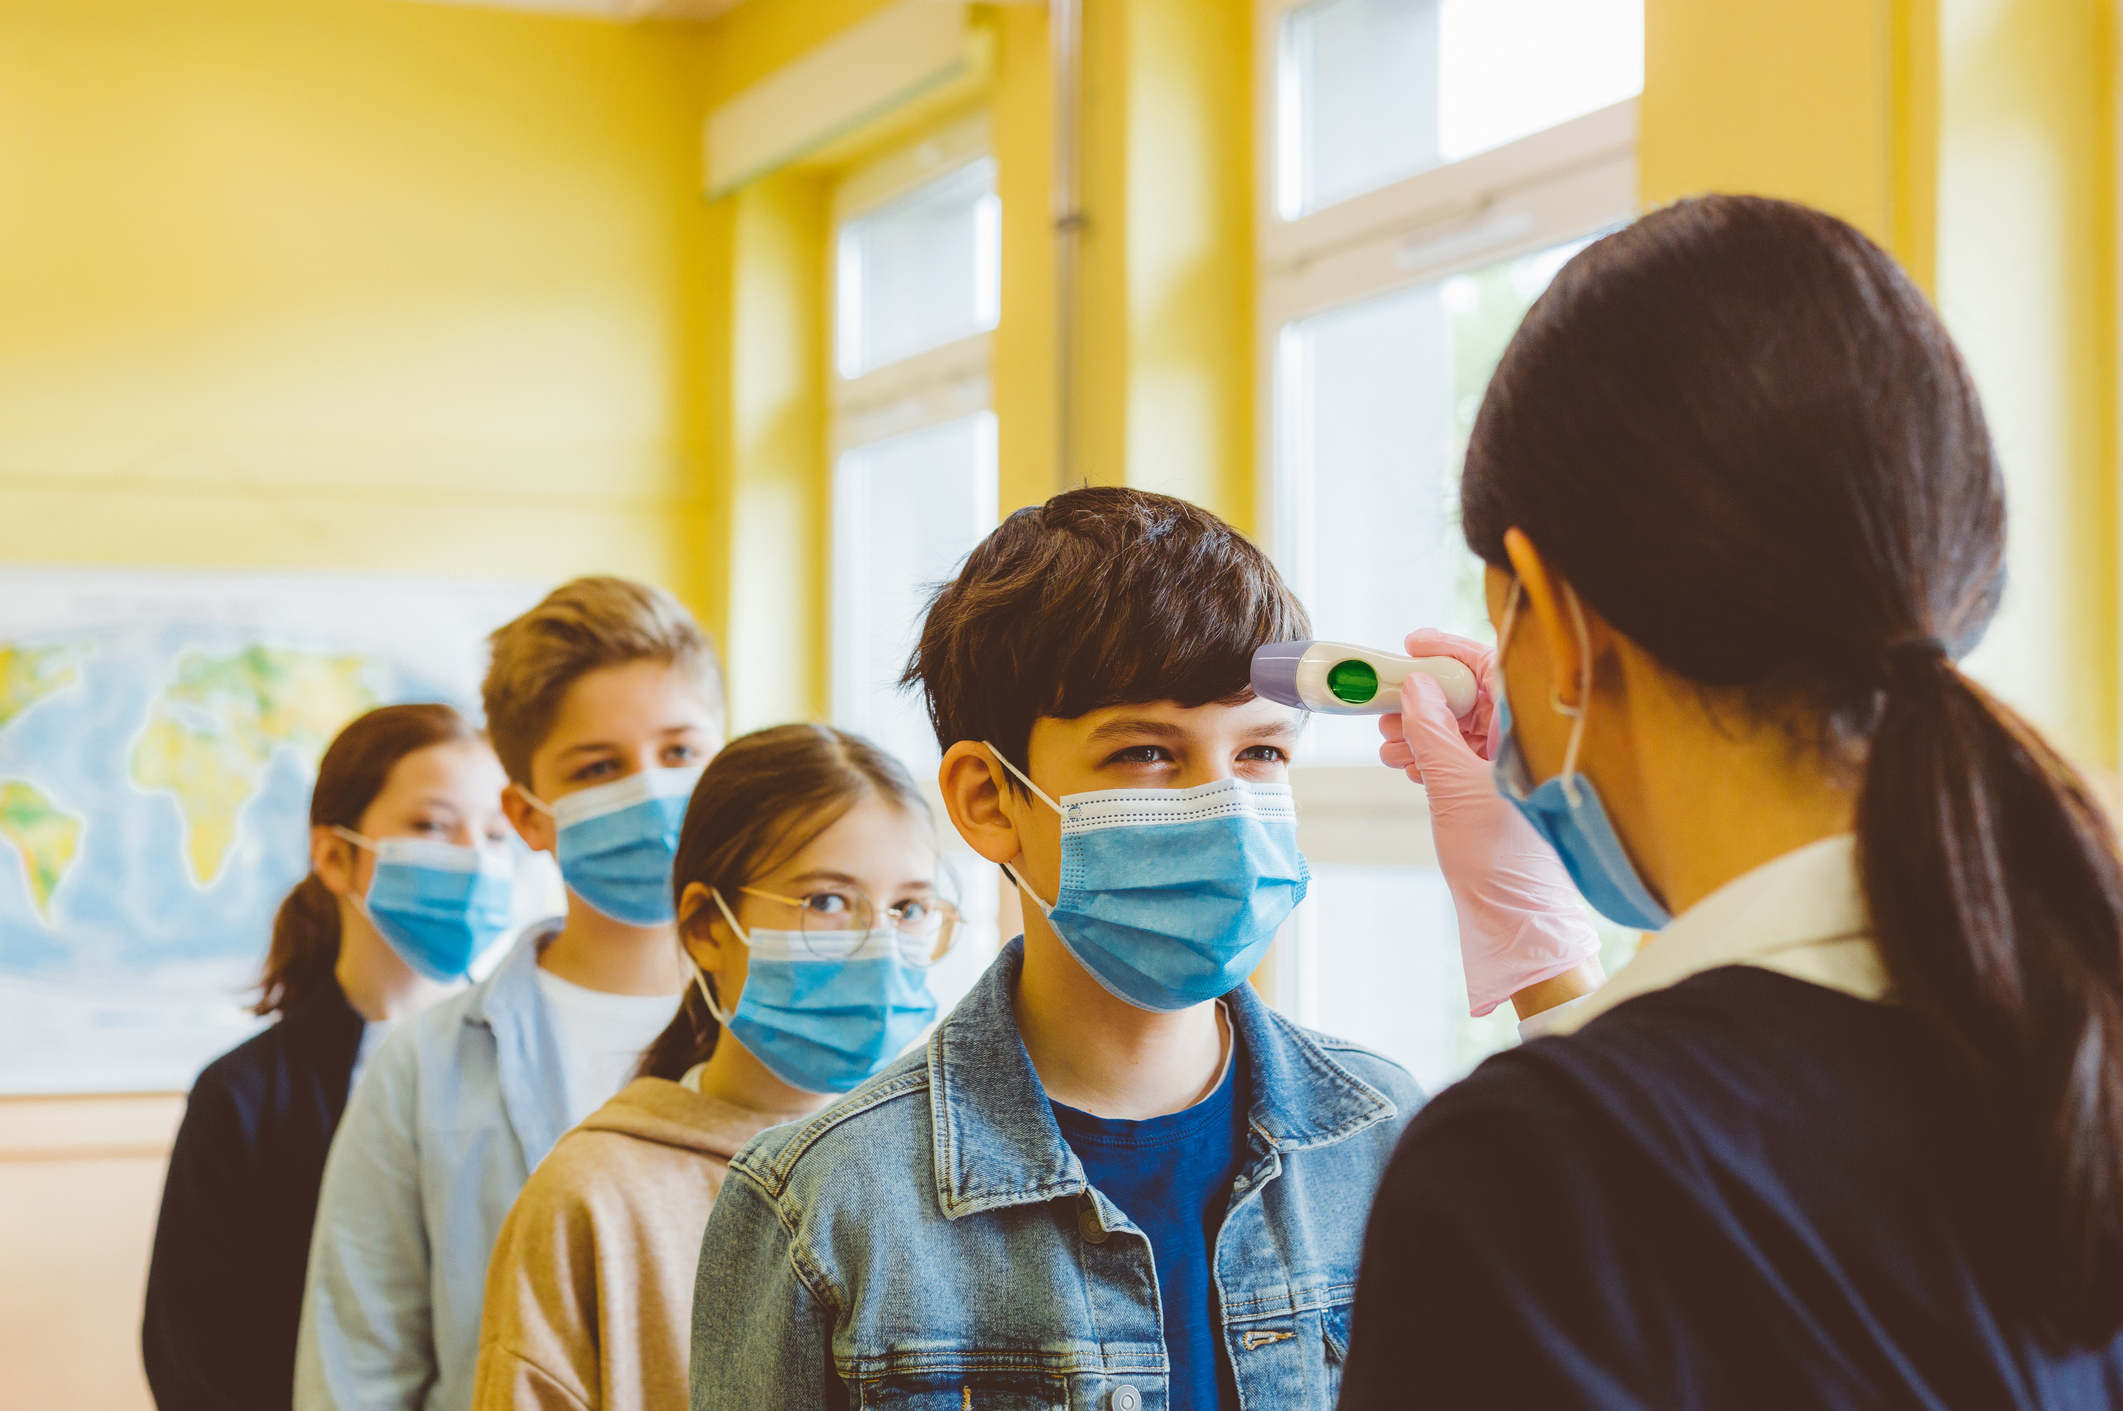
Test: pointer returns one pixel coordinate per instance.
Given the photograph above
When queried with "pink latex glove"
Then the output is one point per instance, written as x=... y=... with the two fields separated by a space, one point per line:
x=1520 y=918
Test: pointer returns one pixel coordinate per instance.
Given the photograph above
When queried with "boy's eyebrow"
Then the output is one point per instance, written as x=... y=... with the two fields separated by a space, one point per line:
x=591 y=745
x=1167 y=730
x=1159 y=729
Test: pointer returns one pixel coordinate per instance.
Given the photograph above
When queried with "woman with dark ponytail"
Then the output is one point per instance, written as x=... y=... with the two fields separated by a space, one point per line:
x=408 y=881
x=1849 y=1130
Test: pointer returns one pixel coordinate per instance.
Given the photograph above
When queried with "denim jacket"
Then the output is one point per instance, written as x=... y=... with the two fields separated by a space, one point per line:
x=929 y=1242
x=444 y=1127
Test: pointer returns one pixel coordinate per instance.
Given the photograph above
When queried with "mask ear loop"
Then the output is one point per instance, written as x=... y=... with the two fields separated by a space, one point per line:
x=1511 y=615
x=700 y=976
x=1577 y=712
x=1045 y=908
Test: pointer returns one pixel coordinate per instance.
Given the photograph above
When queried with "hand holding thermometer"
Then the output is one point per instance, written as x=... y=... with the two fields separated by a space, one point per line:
x=1334 y=678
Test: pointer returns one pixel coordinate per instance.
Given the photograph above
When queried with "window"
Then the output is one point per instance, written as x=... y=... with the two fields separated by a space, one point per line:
x=905 y=510
x=1371 y=91
x=916 y=281
x=916 y=274
x=922 y=272
x=1428 y=165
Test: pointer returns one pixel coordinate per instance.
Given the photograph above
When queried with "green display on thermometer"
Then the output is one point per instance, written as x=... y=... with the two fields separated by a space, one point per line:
x=1353 y=681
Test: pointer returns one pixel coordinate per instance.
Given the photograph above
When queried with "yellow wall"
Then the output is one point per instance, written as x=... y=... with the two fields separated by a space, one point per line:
x=1830 y=102
x=775 y=473
x=324 y=284
x=2027 y=257
x=1975 y=139
x=1167 y=362
x=349 y=284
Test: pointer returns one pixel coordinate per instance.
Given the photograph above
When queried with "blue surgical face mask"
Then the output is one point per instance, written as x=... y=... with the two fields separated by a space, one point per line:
x=1169 y=897
x=439 y=905
x=616 y=842
x=1566 y=810
x=824 y=1025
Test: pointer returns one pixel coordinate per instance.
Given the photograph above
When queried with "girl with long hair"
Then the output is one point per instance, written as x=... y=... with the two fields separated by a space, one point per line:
x=408 y=882
x=808 y=911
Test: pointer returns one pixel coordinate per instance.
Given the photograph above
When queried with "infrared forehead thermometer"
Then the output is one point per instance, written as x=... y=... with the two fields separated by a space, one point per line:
x=1334 y=678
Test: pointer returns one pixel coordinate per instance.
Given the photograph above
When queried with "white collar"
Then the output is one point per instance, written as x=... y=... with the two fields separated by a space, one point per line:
x=1802 y=915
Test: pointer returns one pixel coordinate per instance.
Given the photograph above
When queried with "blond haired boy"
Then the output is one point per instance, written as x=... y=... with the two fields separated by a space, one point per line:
x=603 y=702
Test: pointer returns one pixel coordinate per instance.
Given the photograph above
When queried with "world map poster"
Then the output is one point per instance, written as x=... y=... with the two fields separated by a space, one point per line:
x=159 y=734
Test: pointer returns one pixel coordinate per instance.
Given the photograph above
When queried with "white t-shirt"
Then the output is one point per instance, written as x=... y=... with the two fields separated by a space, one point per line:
x=601 y=1037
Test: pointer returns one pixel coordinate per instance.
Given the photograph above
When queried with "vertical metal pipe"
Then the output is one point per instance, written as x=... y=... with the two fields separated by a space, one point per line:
x=1065 y=37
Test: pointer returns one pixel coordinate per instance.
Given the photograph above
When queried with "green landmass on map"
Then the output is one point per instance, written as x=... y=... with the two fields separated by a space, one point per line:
x=211 y=733
x=46 y=835
x=29 y=674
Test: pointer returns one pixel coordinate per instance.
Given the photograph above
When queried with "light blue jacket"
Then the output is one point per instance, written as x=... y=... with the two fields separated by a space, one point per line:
x=451 y=1115
x=929 y=1242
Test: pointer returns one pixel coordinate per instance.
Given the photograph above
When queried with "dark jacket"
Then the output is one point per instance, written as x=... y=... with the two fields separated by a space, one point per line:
x=1742 y=1191
x=224 y=1293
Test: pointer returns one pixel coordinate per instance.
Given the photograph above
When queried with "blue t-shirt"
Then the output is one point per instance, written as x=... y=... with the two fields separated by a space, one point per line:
x=1173 y=1175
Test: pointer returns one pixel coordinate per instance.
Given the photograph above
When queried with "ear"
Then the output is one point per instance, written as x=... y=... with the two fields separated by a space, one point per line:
x=701 y=929
x=976 y=795
x=336 y=863
x=532 y=823
x=1575 y=635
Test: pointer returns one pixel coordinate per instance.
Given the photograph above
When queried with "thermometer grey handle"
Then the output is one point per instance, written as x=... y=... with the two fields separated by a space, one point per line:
x=1336 y=678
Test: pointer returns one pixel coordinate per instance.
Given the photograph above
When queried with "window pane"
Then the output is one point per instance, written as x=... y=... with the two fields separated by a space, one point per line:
x=1371 y=91
x=921 y=272
x=1377 y=959
x=905 y=511
x=1374 y=405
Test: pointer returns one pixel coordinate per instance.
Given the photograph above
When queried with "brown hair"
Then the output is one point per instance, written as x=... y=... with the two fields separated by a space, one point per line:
x=1102 y=596
x=1741 y=432
x=579 y=627
x=762 y=801
x=352 y=773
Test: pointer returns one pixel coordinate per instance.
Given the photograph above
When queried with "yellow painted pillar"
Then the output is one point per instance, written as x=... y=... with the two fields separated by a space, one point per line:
x=777 y=494
x=1165 y=358
x=1830 y=102
x=2027 y=281
x=1024 y=375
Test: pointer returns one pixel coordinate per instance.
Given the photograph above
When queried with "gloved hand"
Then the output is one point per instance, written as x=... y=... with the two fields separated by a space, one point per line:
x=1520 y=919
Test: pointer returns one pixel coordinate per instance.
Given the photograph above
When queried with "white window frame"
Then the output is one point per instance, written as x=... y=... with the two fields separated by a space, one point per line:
x=1559 y=184
x=927 y=389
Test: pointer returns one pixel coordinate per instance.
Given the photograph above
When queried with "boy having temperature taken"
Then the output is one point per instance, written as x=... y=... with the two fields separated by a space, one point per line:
x=1113 y=1177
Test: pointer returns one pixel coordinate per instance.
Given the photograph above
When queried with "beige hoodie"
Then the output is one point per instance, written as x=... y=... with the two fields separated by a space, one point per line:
x=589 y=1299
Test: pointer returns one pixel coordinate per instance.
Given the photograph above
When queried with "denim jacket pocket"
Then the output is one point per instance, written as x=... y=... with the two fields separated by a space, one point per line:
x=1294 y=1359
x=1334 y=1327
x=965 y=1391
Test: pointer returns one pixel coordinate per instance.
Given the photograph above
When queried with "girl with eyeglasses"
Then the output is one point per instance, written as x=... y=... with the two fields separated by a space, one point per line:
x=809 y=915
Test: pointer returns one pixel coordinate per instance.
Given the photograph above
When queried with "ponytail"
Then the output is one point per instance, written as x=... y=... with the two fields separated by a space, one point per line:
x=1997 y=905
x=305 y=947
x=687 y=1041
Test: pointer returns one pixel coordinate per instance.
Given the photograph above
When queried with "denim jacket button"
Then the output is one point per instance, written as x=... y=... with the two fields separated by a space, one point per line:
x=1087 y=1225
x=1125 y=1398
